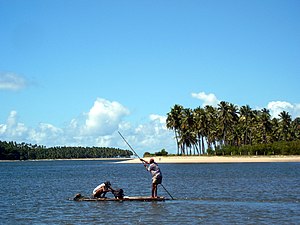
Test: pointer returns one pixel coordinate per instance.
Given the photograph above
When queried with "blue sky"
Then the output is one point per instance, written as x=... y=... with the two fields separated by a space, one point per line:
x=75 y=72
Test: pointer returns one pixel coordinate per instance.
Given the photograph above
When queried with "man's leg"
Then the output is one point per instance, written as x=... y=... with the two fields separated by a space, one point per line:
x=103 y=194
x=154 y=190
x=98 y=194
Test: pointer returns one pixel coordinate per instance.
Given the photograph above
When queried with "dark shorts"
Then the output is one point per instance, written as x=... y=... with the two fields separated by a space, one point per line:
x=157 y=180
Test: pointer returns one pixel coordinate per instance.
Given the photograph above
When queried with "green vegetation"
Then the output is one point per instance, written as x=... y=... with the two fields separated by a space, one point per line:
x=229 y=130
x=163 y=152
x=23 y=151
x=277 y=148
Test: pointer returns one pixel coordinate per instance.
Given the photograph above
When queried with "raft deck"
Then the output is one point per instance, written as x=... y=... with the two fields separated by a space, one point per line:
x=126 y=198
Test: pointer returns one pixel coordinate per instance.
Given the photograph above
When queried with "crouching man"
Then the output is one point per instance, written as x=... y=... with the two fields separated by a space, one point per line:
x=101 y=190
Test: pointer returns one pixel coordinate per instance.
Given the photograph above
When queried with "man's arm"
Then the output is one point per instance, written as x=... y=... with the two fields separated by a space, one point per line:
x=144 y=161
x=110 y=189
x=146 y=164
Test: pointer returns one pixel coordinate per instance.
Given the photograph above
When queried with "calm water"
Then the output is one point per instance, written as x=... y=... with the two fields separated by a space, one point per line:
x=257 y=193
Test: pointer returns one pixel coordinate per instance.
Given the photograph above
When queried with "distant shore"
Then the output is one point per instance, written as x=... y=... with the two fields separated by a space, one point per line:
x=191 y=159
x=217 y=159
x=78 y=159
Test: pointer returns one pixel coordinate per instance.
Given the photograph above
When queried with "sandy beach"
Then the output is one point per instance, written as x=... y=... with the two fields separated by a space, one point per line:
x=217 y=159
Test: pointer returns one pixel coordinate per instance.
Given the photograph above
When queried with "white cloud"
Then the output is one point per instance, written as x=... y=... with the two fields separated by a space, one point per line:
x=160 y=119
x=277 y=107
x=11 y=81
x=208 y=99
x=98 y=127
x=104 y=117
x=106 y=140
x=3 y=128
x=12 y=119
x=13 y=128
x=296 y=112
x=151 y=136
x=46 y=134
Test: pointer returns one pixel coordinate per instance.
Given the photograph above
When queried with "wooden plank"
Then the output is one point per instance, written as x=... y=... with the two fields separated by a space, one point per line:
x=135 y=198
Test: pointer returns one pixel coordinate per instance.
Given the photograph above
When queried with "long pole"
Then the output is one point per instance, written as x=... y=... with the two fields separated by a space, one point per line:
x=167 y=191
x=142 y=162
x=129 y=145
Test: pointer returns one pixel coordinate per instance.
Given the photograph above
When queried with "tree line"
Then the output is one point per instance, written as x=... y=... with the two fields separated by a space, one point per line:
x=229 y=129
x=162 y=152
x=23 y=151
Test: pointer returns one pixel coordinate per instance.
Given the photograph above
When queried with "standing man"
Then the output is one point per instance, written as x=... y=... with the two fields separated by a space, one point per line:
x=153 y=168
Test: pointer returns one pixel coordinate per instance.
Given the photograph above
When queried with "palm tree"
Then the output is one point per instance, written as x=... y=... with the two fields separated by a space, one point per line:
x=275 y=136
x=265 y=124
x=212 y=126
x=296 y=128
x=173 y=122
x=226 y=125
x=228 y=117
x=201 y=127
x=234 y=129
x=188 y=134
x=246 y=115
x=285 y=125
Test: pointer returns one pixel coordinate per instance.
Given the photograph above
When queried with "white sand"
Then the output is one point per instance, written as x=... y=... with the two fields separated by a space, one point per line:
x=217 y=159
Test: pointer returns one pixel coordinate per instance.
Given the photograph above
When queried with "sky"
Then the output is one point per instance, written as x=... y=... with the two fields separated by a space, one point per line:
x=75 y=72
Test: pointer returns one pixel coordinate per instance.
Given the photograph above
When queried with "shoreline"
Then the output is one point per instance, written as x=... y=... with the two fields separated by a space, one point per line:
x=185 y=159
x=217 y=159
x=75 y=159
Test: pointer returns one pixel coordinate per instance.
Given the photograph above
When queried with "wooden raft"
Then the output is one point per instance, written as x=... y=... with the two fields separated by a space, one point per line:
x=126 y=198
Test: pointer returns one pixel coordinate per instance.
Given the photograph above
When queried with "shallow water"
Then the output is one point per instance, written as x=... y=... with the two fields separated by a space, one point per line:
x=38 y=192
